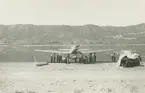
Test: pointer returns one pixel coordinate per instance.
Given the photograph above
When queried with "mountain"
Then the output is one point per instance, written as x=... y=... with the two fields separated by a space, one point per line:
x=45 y=34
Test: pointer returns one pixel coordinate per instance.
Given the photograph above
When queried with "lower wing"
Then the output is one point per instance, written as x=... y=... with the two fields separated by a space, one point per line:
x=69 y=49
x=54 y=51
x=94 y=51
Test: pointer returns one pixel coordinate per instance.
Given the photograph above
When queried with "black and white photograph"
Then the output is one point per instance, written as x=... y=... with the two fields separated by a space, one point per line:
x=72 y=46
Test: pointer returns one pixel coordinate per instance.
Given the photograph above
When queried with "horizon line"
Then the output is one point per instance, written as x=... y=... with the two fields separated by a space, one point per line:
x=72 y=25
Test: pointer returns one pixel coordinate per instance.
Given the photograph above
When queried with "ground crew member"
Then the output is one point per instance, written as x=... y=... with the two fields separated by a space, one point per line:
x=51 y=58
x=60 y=58
x=90 y=57
x=86 y=59
x=82 y=59
x=94 y=57
x=67 y=59
x=54 y=57
x=76 y=58
x=114 y=57
x=57 y=58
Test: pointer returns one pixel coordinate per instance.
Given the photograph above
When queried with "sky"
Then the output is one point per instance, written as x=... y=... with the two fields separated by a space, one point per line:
x=72 y=12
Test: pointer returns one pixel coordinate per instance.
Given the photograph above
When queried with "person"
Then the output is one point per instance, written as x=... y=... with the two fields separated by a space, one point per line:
x=60 y=58
x=112 y=57
x=54 y=57
x=68 y=58
x=90 y=57
x=86 y=59
x=94 y=57
x=51 y=58
x=76 y=58
x=57 y=58
x=82 y=59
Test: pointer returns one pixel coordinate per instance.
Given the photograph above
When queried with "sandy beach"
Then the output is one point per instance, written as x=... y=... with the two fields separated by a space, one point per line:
x=70 y=78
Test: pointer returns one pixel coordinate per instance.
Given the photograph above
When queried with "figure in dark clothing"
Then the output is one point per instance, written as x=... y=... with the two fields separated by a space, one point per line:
x=60 y=58
x=54 y=58
x=94 y=57
x=86 y=59
x=90 y=57
x=68 y=58
x=76 y=58
x=82 y=59
x=57 y=58
x=114 y=57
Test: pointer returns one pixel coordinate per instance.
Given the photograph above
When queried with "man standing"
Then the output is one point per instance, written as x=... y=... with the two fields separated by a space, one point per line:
x=86 y=59
x=57 y=58
x=90 y=57
x=60 y=58
x=112 y=57
x=94 y=57
x=82 y=58
x=68 y=58
x=76 y=58
x=54 y=58
x=51 y=58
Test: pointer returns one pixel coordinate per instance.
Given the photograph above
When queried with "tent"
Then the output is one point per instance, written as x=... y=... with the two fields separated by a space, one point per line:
x=128 y=59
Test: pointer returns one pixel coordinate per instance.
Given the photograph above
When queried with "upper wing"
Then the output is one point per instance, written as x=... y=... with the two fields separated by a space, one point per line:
x=64 y=49
x=69 y=49
x=54 y=51
x=94 y=51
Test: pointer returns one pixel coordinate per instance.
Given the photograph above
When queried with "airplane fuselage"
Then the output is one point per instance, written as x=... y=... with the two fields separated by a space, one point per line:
x=75 y=51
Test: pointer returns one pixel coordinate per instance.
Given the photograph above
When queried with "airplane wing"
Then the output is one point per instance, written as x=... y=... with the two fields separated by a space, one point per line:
x=94 y=51
x=69 y=49
x=54 y=51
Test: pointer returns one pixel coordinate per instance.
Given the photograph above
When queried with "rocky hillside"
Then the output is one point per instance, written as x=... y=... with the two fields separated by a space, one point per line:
x=45 y=34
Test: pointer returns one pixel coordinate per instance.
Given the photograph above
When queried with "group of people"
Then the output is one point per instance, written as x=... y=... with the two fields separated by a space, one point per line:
x=56 y=58
x=87 y=59
x=92 y=57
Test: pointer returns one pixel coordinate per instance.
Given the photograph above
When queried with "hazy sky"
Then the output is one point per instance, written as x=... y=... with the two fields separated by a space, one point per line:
x=72 y=12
